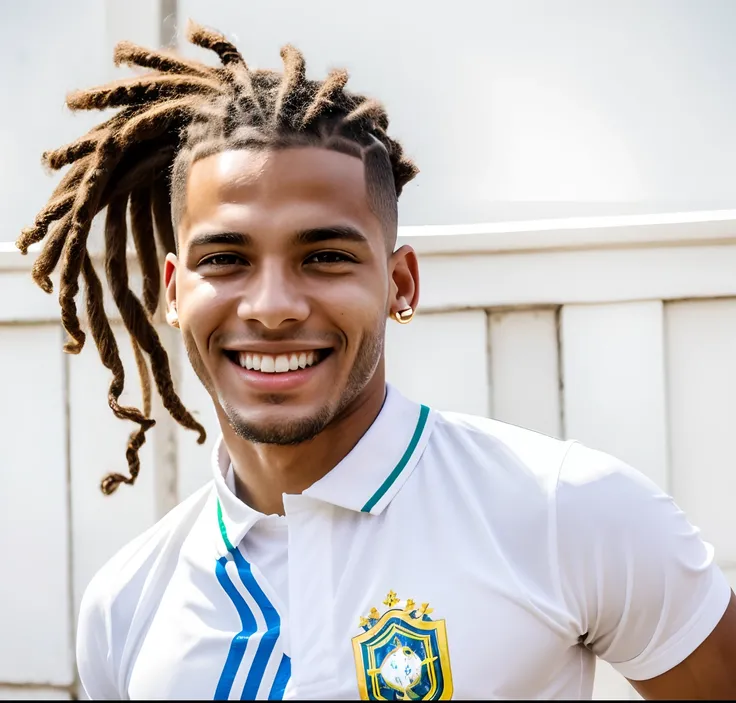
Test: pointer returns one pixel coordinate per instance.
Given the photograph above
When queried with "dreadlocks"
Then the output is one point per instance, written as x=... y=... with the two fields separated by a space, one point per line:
x=137 y=162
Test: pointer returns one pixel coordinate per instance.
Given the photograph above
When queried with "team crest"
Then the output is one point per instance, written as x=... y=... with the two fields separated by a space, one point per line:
x=402 y=654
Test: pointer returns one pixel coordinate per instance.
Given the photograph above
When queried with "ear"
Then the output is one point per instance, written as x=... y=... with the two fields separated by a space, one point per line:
x=404 y=275
x=170 y=265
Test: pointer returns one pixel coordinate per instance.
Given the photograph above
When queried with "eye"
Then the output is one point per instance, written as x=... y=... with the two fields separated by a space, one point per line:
x=222 y=260
x=329 y=257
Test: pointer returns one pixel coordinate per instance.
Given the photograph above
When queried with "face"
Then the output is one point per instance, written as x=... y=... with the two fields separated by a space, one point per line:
x=282 y=288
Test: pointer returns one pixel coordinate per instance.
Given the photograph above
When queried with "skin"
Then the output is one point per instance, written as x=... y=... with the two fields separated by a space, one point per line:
x=276 y=290
x=709 y=673
x=305 y=264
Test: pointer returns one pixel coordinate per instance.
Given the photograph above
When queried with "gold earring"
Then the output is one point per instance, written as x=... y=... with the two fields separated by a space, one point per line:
x=404 y=317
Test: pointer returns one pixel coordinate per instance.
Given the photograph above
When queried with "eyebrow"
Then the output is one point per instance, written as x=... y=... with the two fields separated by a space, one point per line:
x=209 y=238
x=315 y=235
x=329 y=234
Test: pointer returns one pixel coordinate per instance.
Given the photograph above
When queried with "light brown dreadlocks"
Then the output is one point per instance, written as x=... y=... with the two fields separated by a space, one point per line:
x=137 y=162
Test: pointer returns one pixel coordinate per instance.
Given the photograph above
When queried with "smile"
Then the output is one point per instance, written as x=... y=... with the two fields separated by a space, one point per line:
x=278 y=363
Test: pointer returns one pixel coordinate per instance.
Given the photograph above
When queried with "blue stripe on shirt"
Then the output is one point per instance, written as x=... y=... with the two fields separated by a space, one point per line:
x=273 y=628
x=240 y=641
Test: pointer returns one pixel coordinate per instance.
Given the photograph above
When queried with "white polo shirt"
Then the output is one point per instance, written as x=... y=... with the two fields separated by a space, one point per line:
x=445 y=556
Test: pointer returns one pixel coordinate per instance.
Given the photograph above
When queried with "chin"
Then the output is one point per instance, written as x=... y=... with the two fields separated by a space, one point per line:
x=278 y=424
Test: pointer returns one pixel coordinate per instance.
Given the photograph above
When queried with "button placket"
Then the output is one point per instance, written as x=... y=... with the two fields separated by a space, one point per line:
x=311 y=593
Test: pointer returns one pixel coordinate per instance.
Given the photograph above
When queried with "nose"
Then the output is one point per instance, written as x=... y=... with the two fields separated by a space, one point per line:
x=273 y=297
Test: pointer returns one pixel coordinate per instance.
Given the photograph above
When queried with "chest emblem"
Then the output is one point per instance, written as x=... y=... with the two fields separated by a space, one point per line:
x=402 y=654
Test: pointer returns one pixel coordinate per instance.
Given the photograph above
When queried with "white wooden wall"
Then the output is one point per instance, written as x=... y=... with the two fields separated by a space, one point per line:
x=618 y=332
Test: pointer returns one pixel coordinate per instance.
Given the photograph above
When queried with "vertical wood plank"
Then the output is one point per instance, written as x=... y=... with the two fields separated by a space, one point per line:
x=441 y=360
x=101 y=525
x=614 y=400
x=701 y=377
x=525 y=385
x=35 y=622
x=164 y=435
x=613 y=376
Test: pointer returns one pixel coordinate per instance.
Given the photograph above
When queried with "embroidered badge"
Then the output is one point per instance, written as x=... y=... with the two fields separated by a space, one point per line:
x=402 y=654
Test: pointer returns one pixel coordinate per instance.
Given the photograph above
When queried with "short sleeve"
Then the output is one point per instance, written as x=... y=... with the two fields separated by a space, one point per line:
x=639 y=582
x=94 y=659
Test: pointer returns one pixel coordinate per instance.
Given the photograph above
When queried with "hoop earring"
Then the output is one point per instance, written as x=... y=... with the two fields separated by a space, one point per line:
x=404 y=317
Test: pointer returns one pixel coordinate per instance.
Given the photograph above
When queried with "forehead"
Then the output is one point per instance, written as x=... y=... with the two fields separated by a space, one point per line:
x=289 y=188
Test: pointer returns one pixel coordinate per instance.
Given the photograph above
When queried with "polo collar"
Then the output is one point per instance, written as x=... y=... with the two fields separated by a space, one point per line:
x=369 y=477
x=366 y=480
x=234 y=516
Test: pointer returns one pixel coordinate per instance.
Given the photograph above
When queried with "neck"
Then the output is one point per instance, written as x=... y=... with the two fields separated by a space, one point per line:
x=264 y=472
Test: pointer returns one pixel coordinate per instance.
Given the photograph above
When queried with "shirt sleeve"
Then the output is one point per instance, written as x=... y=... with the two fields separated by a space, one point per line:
x=639 y=583
x=94 y=660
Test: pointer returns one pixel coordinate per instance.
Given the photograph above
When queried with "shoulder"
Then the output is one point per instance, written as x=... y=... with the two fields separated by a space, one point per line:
x=605 y=506
x=507 y=451
x=114 y=597
x=140 y=553
x=594 y=485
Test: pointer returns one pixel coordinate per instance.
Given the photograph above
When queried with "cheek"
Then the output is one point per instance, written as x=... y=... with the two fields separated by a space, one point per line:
x=357 y=308
x=202 y=309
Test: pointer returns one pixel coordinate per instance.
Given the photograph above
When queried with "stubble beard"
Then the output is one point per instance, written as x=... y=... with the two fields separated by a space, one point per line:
x=298 y=430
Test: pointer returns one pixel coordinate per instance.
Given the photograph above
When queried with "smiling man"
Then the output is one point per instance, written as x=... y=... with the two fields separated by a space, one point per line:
x=281 y=289
x=352 y=543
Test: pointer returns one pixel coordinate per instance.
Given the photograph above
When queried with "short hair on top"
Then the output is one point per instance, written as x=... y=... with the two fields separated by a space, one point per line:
x=136 y=163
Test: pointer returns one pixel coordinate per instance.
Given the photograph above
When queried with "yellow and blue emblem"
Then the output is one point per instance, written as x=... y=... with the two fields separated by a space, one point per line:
x=402 y=654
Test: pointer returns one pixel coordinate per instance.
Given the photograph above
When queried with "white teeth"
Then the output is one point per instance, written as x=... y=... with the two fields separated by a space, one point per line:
x=267 y=363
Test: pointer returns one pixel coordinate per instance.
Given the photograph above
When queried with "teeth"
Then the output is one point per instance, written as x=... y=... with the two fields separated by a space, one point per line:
x=267 y=363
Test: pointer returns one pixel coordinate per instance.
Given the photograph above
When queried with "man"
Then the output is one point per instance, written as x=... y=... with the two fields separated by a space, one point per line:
x=352 y=543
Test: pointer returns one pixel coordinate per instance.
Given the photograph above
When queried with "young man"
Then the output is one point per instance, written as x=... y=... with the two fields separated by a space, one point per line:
x=352 y=543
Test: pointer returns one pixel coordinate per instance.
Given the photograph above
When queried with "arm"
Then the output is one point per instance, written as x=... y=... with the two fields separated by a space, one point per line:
x=641 y=585
x=708 y=673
